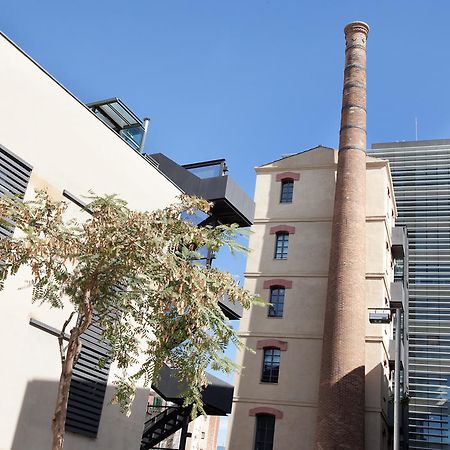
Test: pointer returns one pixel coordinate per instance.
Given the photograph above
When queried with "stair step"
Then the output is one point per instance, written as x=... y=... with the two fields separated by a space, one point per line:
x=162 y=426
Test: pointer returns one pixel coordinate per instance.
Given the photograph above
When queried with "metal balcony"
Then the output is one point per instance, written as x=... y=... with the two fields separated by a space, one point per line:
x=232 y=311
x=397 y=295
x=217 y=396
x=399 y=242
x=217 y=401
x=391 y=351
x=231 y=203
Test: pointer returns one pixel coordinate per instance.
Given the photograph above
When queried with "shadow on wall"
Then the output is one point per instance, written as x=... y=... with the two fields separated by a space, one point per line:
x=378 y=423
x=116 y=431
x=342 y=424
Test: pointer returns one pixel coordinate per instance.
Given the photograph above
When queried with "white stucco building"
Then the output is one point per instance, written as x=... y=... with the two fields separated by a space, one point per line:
x=51 y=140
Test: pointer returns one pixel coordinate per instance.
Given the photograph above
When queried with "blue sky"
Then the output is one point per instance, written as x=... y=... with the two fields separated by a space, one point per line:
x=245 y=79
x=248 y=80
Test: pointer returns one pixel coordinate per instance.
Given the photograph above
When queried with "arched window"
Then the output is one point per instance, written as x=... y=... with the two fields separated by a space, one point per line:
x=287 y=190
x=271 y=365
x=281 y=245
x=265 y=428
x=277 y=301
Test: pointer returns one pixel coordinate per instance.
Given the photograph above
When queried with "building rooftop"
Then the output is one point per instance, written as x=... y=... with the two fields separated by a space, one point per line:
x=424 y=143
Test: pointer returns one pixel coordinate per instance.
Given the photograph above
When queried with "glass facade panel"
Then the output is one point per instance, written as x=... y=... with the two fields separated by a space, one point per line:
x=420 y=173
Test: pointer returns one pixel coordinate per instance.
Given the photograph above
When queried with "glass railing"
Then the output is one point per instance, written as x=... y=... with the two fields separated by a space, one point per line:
x=133 y=136
x=208 y=169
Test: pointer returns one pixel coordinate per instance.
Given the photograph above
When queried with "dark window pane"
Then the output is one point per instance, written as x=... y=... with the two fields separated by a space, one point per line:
x=265 y=427
x=271 y=365
x=287 y=191
x=277 y=302
x=281 y=245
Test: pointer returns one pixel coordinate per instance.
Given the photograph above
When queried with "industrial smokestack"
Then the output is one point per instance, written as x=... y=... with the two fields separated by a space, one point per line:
x=340 y=422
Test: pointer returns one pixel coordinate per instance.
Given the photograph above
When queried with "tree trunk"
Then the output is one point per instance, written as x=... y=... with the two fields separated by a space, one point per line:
x=59 y=418
x=68 y=362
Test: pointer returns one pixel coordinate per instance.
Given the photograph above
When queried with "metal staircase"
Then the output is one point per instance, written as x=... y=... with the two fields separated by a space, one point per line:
x=217 y=400
x=162 y=425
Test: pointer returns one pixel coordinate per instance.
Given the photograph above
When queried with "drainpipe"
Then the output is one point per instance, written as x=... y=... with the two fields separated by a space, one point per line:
x=340 y=419
x=398 y=326
x=144 y=136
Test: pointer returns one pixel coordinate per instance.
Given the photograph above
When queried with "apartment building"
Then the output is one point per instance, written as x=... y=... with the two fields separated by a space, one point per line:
x=277 y=393
x=421 y=174
x=51 y=140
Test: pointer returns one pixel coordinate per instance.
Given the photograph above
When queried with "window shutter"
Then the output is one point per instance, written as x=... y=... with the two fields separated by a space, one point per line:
x=14 y=177
x=88 y=385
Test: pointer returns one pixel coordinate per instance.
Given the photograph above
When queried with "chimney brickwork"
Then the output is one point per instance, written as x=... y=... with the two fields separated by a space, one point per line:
x=340 y=422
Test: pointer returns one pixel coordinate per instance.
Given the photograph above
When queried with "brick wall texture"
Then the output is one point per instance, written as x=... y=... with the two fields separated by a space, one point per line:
x=341 y=394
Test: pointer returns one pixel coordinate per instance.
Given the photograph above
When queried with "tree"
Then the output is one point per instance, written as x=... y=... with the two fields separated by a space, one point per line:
x=139 y=272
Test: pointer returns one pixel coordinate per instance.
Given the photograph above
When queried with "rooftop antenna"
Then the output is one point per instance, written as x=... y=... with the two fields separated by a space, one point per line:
x=417 y=126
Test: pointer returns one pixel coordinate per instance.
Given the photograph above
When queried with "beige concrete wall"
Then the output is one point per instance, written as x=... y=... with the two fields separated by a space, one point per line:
x=306 y=299
x=294 y=431
x=301 y=326
x=313 y=195
x=309 y=247
x=69 y=148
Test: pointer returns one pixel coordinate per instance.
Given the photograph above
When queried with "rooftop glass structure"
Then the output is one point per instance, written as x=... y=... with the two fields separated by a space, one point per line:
x=114 y=113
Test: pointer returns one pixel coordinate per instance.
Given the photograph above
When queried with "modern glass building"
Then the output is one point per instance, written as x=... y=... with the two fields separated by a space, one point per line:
x=421 y=175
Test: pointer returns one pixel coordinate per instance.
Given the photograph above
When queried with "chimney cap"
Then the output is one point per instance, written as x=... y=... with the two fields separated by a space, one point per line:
x=357 y=27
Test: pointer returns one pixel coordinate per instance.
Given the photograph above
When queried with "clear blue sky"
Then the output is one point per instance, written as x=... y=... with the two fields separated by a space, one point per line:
x=244 y=79
x=247 y=80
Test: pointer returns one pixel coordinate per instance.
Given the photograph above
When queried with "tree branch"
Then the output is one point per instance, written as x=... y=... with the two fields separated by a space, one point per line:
x=61 y=338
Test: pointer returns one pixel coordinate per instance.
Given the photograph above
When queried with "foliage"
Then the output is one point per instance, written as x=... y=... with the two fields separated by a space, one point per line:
x=137 y=272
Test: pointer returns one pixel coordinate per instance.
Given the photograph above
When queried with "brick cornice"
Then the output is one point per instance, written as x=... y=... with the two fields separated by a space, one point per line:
x=282 y=228
x=288 y=176
x=287 y=284
x=266 y=410
x=264 y=343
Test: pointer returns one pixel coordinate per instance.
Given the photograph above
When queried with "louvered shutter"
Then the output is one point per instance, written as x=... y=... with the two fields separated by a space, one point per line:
x=14 y=177
x=88 y=385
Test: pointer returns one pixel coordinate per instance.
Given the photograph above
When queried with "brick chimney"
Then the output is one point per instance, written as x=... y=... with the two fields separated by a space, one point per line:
x=340 y=421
